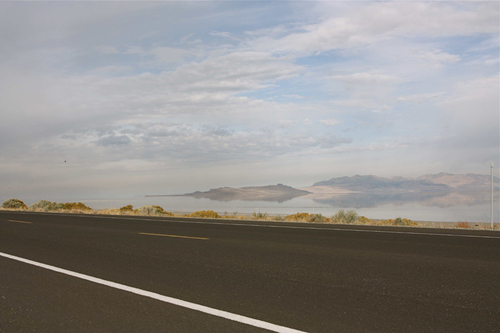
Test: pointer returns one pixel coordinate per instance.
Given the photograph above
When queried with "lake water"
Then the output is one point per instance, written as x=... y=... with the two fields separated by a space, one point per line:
x=440 y=208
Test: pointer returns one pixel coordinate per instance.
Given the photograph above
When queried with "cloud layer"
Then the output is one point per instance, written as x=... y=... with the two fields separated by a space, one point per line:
x=301 y=91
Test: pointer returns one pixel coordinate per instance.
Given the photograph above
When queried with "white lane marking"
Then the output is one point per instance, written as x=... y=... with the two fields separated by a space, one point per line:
x=20 y=221
x=175 y=236
x=278 y=226
x=166 y=299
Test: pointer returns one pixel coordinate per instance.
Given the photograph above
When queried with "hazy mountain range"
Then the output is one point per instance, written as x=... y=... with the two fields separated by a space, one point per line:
x=368 y=191
x=433 y=182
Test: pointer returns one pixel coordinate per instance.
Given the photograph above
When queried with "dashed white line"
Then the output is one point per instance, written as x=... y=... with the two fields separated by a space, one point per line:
x=174 y=236
x=166 y=299
x=20 y=221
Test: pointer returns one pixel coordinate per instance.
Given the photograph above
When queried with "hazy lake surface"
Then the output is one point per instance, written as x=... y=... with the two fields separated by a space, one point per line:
x=427 y=210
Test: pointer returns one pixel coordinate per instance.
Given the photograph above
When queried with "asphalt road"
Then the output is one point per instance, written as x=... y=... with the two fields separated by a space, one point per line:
x=308 y=277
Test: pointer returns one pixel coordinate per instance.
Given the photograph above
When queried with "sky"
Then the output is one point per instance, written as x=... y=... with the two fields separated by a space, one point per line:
x=119 y=99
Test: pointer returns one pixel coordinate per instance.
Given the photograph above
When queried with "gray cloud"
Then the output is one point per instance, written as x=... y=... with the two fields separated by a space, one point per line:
x=163 y=141
x=114 y=140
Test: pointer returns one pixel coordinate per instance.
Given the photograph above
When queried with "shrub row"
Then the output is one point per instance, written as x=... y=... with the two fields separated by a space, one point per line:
x=55 y=206
x=342 y=217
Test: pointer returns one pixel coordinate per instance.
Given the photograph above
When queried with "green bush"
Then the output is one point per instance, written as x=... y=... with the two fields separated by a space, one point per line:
x=47 y=205
x=345 y=217
x=14 y=203
x=259 y=215
x=399 y=221
x=317 y=218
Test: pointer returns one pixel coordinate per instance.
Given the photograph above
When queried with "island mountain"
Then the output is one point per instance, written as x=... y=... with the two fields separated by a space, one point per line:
x=277 y=193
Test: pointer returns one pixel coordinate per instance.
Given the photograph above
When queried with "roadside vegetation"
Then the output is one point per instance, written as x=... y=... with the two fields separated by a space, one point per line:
x=14 y=204
x=341 y=217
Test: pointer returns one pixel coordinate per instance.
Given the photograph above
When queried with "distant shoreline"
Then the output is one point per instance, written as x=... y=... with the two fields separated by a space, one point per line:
x=163 y=195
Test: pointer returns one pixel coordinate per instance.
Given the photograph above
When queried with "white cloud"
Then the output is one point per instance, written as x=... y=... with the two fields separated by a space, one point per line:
x=160 y=54
x=330 y=122
x=366 y=78
x=471 y=121
x=287 y=123
x=109 y=70
x=365 y=103
x=474 y=103
x=365 y=25
x=169 y=54
x=438 y=57
x=224 y=34
x=419 y=98
x=107 y=49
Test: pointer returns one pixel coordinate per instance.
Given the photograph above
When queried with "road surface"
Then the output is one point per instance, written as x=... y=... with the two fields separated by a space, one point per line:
x=295 y=276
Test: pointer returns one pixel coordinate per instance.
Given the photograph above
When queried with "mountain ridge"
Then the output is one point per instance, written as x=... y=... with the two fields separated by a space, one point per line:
x=434 y=184
x=440 y=181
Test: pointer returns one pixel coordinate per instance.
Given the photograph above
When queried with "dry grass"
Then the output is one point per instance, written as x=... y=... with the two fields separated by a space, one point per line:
x=463 y=225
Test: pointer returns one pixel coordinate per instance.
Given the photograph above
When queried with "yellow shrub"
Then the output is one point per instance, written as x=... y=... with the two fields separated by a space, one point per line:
x=299 y=217
x=127 y=208
x=75 y=206
x=398 y=221
x=365 y=220
x=205 y=214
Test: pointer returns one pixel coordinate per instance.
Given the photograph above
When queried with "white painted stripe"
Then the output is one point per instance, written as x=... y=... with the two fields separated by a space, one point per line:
x=166 y=299
x=20 y=221
x=210 y=222
x=175 y=236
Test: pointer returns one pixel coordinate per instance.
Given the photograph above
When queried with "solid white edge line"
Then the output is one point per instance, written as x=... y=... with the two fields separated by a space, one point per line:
x=277 y=226
x=166 y=299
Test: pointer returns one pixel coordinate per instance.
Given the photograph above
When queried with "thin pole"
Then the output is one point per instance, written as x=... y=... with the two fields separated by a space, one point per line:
x=491 y=203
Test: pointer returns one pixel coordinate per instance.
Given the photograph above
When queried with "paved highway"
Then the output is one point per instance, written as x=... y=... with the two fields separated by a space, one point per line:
x=283 y=276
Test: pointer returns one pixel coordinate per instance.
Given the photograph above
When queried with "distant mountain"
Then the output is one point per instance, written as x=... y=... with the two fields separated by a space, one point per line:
x=440 y=182
x=457 y=181
x=277 y=193
x=442 y=189
x=372 y=183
